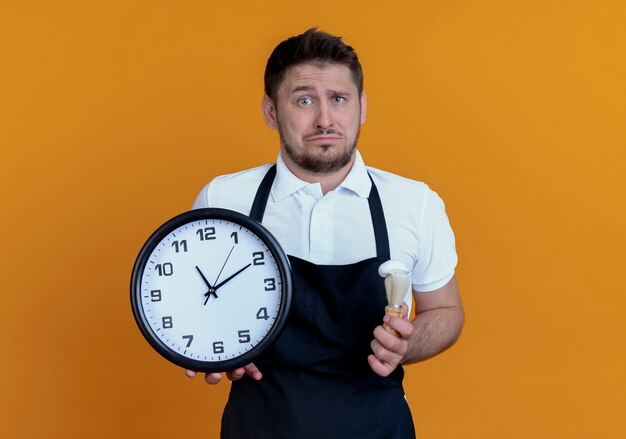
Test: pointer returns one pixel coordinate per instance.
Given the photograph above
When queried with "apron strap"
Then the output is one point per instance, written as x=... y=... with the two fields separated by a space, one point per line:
x=375 y=205
x=262 y=195
x=379 y=223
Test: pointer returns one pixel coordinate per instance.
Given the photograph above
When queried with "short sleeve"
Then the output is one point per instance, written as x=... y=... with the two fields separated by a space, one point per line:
x=202 y=200
x=437 y=254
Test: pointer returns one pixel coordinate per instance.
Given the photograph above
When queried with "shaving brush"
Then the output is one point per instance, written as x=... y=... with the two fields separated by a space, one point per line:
x=397 y=280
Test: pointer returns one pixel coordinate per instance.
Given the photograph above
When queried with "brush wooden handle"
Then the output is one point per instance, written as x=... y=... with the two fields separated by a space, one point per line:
x=391 y=310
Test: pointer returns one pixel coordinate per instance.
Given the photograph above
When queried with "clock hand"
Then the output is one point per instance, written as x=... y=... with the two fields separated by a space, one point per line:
x=211 y=291
x=204 y=278
x=231 y=276
x=227 y=258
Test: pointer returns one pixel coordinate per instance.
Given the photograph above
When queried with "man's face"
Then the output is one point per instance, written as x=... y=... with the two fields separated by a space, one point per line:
x=318 y=113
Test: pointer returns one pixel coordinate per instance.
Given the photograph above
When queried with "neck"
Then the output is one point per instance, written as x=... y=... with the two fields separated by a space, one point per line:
x=328 y=181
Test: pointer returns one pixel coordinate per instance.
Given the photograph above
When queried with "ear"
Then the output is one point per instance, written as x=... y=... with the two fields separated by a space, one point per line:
x=269 y=112
x=363 y=107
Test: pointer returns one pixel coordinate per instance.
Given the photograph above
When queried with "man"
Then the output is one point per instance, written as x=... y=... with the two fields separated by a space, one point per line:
x=335 y=372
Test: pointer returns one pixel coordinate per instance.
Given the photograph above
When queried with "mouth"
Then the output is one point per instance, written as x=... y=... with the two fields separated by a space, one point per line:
x=323 y=138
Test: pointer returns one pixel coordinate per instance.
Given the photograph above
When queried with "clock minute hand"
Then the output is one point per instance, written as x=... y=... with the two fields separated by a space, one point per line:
x=231 y=276
x=204 y=278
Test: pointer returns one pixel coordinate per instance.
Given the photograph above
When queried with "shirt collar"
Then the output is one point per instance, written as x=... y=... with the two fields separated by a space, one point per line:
x=286 y=183
x=358 y=180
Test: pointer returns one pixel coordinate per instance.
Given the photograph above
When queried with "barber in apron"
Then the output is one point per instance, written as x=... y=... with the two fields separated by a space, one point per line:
x=317 y=382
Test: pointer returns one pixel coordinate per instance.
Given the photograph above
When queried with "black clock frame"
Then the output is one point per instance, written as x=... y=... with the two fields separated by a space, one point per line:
x=210 y=213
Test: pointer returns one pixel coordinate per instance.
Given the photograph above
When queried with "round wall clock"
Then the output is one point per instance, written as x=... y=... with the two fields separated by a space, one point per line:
x=211 y=290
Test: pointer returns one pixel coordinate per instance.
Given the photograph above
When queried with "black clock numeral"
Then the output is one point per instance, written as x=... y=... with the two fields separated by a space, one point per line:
x=180 y=245
x=155 y=295
x=244 y=336
x=166 y=269
x=262 y=314
x=235 y=237
x=258 y=258
x=167 y=322
x=270 y=284
x=206 y=233
x=189 y=339
x=218 y=347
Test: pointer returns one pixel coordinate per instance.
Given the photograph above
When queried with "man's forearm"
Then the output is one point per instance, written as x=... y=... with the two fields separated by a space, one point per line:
x=435 y=331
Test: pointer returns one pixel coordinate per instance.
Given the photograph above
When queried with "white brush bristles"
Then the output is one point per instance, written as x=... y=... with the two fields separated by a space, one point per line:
x=397 y=281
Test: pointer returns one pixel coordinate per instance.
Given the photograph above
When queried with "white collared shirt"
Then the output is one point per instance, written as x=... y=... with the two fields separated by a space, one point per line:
x=336 y=228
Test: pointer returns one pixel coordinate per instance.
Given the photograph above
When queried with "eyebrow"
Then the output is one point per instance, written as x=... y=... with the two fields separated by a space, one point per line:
x=311 y=88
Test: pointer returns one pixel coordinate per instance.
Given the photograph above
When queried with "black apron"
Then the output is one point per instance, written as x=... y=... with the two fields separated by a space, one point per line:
x=317 y=382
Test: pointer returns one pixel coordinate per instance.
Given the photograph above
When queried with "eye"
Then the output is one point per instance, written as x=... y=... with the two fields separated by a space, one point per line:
x=305 y=101
x=338 y=99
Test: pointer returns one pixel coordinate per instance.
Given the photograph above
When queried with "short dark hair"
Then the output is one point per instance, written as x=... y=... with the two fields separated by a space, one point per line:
x=314 y=47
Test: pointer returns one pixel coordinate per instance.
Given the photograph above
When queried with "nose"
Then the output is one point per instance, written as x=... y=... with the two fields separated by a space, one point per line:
x=324 y=117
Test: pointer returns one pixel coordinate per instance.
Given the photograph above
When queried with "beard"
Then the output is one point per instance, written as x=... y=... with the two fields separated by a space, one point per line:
x=326 y=161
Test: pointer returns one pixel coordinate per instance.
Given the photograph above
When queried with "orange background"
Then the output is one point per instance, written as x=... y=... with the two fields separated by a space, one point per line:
x=113 y=115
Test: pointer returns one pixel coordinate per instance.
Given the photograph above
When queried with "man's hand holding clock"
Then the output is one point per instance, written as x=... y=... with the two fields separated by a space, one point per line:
x=233 y=375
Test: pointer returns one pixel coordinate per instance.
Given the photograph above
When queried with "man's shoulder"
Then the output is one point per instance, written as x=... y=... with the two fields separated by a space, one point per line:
x=232 y=191
x=388 y=181
x=404 y=197
x=252 y=175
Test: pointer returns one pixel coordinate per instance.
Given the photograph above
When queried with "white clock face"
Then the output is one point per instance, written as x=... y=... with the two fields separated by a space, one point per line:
x=211 y=290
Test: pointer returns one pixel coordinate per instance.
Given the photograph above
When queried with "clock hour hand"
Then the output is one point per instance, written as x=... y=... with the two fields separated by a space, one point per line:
x=211 y=291
x=230 y=277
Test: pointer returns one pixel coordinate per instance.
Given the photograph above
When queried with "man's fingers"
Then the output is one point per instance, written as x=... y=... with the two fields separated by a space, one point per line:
x=384 y=353
x=236 y=374
x=253 y=371
x=248 y=369
x=233 y=375
x=213 y=378
x=379 y=367
x=389 y=350
x=403 y=326
x=210 y=378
